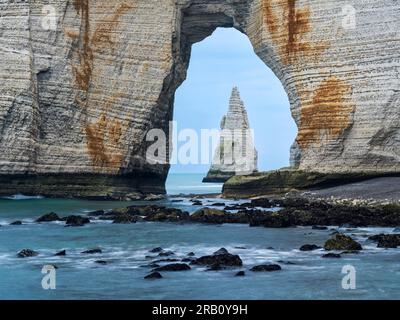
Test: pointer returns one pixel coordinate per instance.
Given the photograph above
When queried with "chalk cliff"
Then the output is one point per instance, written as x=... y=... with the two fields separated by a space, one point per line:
x=78 y=96
x=235 y=153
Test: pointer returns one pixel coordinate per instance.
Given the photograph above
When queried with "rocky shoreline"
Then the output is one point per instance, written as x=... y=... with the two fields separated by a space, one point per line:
x=337 y=218
x=270 y=212
x=278 y=212
x=355 y=185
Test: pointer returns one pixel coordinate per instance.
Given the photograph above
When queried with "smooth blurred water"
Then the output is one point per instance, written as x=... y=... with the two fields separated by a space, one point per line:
x=180 y=183
x=125 y=248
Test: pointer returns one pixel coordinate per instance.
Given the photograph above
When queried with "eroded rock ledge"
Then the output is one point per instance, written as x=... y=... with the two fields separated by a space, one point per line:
x=371 y=184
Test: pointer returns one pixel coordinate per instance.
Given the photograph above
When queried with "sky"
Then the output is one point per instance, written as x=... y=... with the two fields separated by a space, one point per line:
x=221 y=61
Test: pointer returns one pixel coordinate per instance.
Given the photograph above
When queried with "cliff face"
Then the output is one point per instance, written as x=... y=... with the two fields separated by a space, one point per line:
x=77 y=98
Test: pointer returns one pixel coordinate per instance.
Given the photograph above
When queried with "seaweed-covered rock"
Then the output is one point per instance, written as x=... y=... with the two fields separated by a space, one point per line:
x=76 y=221
x=212 y=215
x=49 y=217
x=269 y=219
x=96 y=213
x=173 y=267
x=342 y=242
x=125 y=219
x=309 y=247
x=153 y=275
x=93 y=251
x=27 y=253
x=222 y=259
x=61 y=253
x=386 y=240
x=266 y=268
x=221 y=251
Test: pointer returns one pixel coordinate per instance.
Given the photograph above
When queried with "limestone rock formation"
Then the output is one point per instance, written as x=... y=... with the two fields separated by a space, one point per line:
x=235 y=153
x=82 y=82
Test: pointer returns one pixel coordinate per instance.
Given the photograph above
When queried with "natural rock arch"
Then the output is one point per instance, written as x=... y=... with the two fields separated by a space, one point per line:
x=74 y=121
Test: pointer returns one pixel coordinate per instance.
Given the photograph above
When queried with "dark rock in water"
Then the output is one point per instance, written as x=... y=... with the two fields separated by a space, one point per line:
x=162 y=214
x=319 y=228
x=197 y=203
x=93 y=251
x=309 y=247
x=96 y=213
x=341 y=242
x=103 y=262
x=311 y=212
x=218 y=204
x=223 y=259
x=266 y=268
x=166 y=260
x=286 y=262
x=270 y=219
x=386 y=240
x=156 y=250
x=153 y=275
x=396 y=230
x=49 y=217
x=331 y=255
x=76 y=221
x=187 y=260
x=125 y=219
x=173 y=267
x=26 y=253
x=16 y=223
x=241 y=248
x=240 y=274
x=166 y=254
x=221 y=251
x=191 y=254
x=61 y=253
x=263 y=203
x=151 y=265
x=212 y=215
x=270 y=248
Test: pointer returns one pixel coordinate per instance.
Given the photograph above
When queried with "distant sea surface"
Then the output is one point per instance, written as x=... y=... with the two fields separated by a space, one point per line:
x=125 y=249
x=178 y=183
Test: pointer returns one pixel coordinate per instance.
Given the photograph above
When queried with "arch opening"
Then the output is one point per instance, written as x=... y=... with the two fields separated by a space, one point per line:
x=221 y=58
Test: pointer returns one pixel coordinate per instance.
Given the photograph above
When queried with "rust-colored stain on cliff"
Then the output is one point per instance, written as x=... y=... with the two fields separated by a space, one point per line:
x=288 y=26
x=95 y=36
x=83 y=71
x=102 y=37
x=329 y=112
x=103 y=138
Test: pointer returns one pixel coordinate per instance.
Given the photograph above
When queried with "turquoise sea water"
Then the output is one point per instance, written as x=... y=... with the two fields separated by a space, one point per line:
x=125 y=248
x=180 y=183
